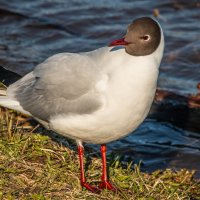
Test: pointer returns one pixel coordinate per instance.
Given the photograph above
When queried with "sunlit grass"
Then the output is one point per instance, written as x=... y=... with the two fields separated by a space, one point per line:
x=33 y=166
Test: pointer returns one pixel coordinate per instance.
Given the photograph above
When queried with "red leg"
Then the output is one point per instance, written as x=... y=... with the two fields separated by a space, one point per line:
x=83 y=179
x=105 y=184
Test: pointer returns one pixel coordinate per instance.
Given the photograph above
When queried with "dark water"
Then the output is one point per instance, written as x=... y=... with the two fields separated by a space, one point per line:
x=33 y=30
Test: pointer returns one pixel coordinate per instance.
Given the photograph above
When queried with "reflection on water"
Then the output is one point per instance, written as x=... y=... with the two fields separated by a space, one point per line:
x=33 y=30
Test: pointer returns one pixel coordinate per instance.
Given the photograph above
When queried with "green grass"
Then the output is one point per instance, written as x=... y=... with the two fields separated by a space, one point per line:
x=32 y=166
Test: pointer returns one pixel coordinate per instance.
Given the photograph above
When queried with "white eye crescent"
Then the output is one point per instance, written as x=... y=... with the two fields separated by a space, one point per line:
x=146 y=37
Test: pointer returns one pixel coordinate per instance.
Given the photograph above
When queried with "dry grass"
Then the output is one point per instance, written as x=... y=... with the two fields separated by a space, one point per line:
x=32 y=166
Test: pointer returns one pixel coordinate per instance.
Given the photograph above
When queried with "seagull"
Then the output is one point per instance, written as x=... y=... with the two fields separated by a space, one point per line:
x=94 y=97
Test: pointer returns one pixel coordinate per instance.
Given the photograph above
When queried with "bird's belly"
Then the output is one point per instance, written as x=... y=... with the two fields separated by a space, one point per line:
x=105 y=125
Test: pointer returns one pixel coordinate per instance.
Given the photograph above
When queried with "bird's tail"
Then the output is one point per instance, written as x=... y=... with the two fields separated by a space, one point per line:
x=12 y=104
x=2 y=92
x=8 y=103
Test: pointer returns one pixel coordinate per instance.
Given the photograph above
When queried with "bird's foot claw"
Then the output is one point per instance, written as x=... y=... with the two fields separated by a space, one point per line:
x=90 y=188
x=107 y=185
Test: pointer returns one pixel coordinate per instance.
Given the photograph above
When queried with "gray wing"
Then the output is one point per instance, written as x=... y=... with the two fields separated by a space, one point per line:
x=63 y=84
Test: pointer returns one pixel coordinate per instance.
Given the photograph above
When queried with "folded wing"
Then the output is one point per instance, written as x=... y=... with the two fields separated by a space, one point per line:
x=63 y=84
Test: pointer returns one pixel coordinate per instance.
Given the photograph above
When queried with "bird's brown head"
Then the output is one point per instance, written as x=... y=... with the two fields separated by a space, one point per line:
x=142 y=38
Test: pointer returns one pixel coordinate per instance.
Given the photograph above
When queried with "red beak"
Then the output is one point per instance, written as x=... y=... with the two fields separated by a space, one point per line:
x=118 y=42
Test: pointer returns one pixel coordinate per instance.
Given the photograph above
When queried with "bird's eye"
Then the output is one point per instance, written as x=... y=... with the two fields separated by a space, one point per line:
x=145 y=37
